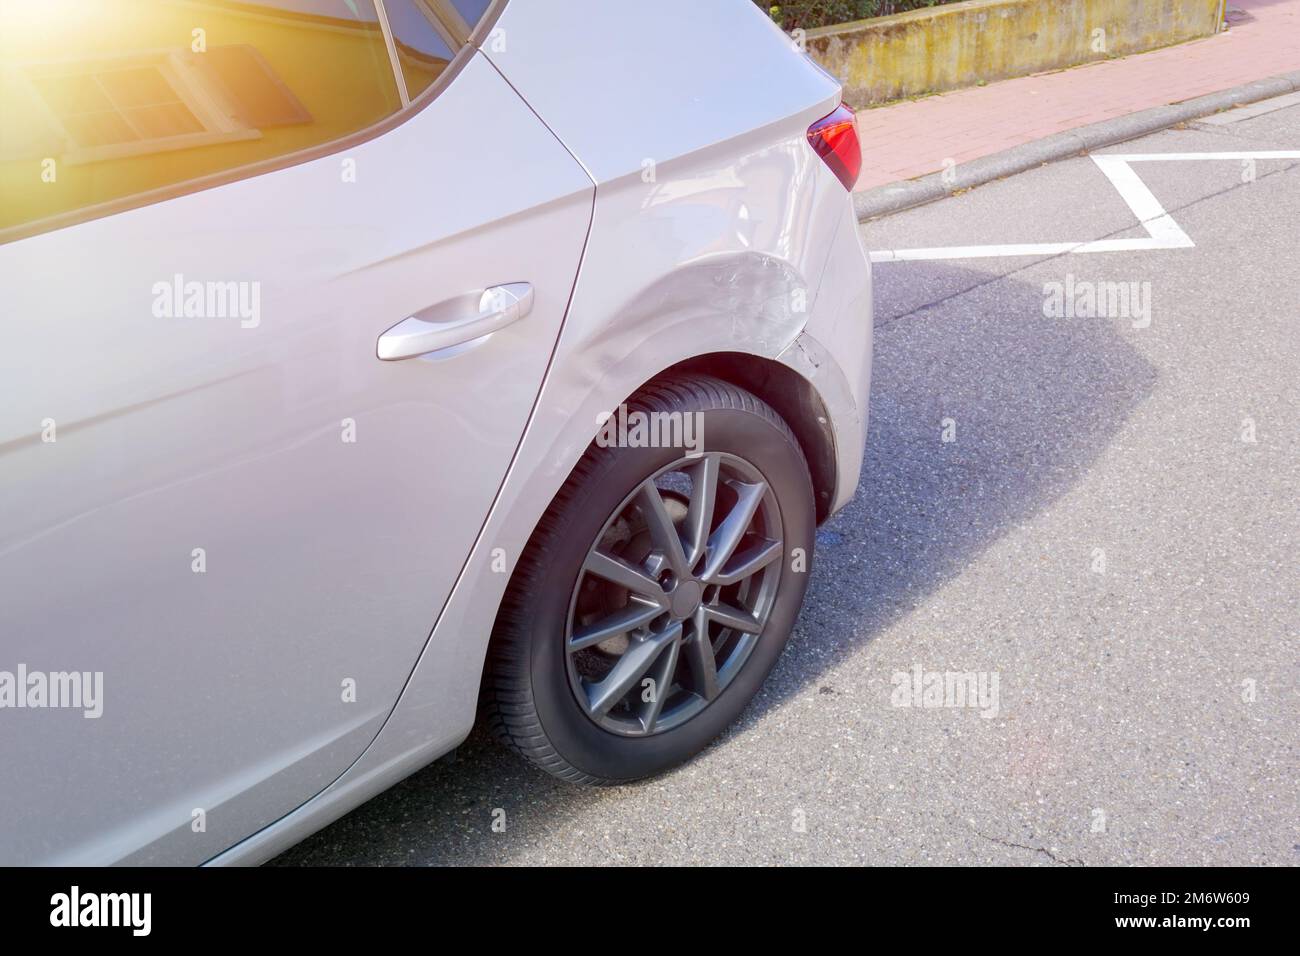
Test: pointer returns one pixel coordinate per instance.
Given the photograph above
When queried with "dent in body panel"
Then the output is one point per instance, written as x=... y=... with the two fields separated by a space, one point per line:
x=722 y=254
x=724 y=246
x=834 y=351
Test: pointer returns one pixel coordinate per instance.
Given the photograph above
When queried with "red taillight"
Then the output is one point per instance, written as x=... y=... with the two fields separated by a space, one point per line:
x=835 y=138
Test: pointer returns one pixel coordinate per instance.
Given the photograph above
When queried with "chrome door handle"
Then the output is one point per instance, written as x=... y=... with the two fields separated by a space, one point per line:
x=456 y=321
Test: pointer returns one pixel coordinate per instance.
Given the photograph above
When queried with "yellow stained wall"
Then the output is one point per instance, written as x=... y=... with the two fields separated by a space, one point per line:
x=944 y=48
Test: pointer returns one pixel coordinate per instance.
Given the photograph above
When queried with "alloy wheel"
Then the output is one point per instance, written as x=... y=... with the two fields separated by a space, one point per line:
x=674 y=594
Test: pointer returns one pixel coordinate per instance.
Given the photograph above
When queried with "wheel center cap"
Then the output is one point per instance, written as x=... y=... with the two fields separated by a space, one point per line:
x=685 y=598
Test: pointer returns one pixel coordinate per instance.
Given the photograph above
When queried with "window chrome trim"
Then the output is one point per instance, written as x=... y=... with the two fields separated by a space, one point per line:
x=450 y=18
x=393 y=62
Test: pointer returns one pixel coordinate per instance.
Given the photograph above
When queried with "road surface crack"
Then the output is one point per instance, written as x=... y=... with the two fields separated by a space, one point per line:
x=1068 y=861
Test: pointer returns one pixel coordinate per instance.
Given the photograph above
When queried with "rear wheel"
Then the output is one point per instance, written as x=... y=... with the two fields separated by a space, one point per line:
x=657 y=592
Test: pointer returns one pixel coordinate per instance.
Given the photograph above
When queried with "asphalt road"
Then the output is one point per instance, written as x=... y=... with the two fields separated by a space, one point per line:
x=1102 y=537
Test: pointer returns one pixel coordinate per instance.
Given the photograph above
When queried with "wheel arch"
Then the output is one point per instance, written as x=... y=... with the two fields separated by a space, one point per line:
x=793 y=397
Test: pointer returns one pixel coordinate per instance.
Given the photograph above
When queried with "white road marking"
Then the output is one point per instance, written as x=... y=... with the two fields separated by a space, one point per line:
x=1160 y=226
x=1188 y=157
x=1162 y=231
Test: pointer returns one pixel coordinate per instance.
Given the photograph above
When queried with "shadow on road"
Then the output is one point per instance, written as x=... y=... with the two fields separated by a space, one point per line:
x=1032 y=402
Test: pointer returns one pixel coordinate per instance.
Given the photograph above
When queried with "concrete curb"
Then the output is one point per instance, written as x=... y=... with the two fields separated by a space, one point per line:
x=895 y=197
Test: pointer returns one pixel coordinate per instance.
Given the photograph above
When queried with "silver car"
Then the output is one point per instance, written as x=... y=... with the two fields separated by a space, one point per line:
x=374 y=365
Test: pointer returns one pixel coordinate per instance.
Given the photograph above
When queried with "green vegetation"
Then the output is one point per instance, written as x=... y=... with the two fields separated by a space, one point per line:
x=806 y=14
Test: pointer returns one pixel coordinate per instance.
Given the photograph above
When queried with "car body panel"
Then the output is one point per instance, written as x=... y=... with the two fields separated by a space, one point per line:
x=635 y=85
x=746 y=245
x=325 y=558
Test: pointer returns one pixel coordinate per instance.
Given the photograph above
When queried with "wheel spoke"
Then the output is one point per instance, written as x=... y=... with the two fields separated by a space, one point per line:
x=724 y=541
x=750 y=561
x=662 y=674
x=621 y=621
x=700 y=658
x=733 y=617
x=617 y=571
x=662 y=530
x=673 y=561
x=699 y=514
x=631 y=667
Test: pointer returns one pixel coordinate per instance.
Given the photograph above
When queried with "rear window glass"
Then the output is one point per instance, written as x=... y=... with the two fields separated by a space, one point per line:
x=424 y=45
x=104 y=99
x=459 y=16
x=472 y=10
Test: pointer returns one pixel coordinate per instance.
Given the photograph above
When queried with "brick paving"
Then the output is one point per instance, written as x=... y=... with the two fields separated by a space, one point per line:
x=911 y=139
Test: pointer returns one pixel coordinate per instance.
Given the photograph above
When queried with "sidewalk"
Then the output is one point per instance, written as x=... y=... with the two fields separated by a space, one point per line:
x=911 y=139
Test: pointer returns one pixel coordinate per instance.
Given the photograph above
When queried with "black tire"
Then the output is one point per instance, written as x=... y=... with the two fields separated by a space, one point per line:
x=529 y=696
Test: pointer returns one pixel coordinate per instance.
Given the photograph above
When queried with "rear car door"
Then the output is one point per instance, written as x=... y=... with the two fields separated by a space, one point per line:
x=226 y=524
